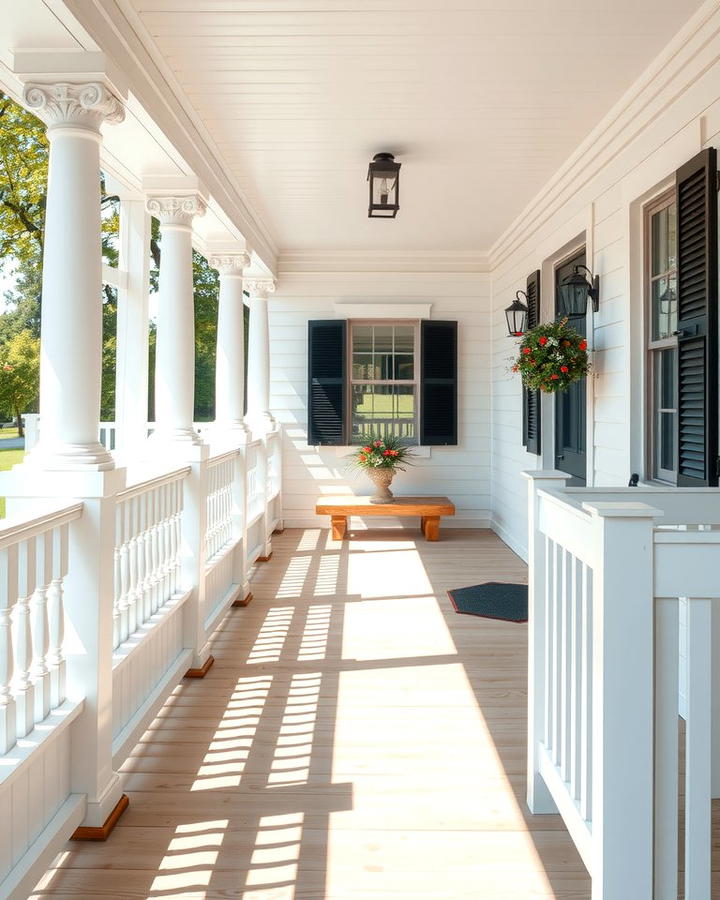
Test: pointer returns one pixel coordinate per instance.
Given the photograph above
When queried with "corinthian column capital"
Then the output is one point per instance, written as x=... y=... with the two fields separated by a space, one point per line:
x=230 y=263
x=259 y=287
x=83 y=106
x=176 y=210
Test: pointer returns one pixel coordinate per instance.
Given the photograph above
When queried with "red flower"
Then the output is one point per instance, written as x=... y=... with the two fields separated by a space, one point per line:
x=362 y=457
x=377 y=443
x=526 y=351
x=367 y=449
x=564 y=369
x=583 y=345
x=554 y=377
x=542 y=341
x=515 y=368
x=393 y=452
x=386 y=453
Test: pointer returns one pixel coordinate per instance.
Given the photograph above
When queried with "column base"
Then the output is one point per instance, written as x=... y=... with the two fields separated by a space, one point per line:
x=261 y=424
x=61 y=457
x=163 y=437
x=102 y=832
x=243 y=601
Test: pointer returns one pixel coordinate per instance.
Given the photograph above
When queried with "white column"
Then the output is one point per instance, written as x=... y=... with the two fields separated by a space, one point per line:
x=259 y=417
x=71 y=337
x=175 y=348
x=131 y=378
x=230 y=362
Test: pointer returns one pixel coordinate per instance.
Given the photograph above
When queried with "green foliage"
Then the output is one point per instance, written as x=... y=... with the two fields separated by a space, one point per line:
x=19 y=374
x=23 y=176
x=382 y=453
x=24 y=155
x=552 y=356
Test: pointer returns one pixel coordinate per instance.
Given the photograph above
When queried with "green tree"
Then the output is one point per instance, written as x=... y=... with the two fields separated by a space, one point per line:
x=19 y=375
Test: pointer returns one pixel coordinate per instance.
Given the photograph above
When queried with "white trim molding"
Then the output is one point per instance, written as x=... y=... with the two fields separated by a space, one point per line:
x=374 y=310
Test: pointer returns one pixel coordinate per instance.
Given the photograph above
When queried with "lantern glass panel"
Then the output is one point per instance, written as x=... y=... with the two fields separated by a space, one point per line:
x=574 y=294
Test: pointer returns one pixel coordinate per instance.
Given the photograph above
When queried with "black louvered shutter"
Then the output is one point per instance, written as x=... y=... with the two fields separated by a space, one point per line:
x=531 y=399
x=438 y=383
x=697 y=299
x=326 y=382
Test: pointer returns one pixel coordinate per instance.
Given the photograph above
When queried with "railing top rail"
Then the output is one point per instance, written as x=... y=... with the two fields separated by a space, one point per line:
x=256 y=442
x=148 y=484
x=223 y=456
x=662 y=536
x=17 y=528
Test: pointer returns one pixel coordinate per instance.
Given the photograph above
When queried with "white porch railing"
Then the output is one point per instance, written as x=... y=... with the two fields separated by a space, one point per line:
x=182 y=552
x=613 y=573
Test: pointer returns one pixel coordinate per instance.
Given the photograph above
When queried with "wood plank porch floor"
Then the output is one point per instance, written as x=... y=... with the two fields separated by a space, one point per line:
x=356 y=738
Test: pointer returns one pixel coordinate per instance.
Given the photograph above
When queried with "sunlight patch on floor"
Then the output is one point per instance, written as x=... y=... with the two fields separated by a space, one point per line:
x=301 y=708
x=188 y=850
x=271 y=638
x=313 y=644
x=224 y=763
x=387 y=573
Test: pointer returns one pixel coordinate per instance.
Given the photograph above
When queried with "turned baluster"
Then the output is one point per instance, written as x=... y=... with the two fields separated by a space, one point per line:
x=39 y=672
x=8 y=594
x=22 y=683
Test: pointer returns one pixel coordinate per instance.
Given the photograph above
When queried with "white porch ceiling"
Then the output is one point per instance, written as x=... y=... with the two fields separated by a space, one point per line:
x=480 y=100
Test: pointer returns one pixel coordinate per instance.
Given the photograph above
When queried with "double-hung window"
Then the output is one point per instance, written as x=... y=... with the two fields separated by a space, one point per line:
x=382 y=377
x=662 y=319
x=384 y=380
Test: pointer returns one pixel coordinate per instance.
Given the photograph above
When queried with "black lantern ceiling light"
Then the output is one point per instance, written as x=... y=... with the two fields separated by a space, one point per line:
x=516 y=315
x=575 y=290
x=384 y=180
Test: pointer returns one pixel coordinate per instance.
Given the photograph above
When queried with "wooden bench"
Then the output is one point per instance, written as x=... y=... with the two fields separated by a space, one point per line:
x=429 y=509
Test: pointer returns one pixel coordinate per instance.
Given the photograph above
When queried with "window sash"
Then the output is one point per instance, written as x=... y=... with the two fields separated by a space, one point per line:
x=413 y=382
x=654 y=350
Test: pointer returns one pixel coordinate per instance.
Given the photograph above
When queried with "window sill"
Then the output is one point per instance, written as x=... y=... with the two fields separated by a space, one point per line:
x=419 y=452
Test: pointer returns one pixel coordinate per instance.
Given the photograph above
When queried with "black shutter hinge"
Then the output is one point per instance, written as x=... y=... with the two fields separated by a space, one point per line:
x=717 y=181
x=717 y=467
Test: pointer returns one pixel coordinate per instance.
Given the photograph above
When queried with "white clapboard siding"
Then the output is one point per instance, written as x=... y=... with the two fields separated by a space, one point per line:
x=462 y=472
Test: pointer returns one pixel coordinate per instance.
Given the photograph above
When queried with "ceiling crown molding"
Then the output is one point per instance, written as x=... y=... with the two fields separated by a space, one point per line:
x=437 y=262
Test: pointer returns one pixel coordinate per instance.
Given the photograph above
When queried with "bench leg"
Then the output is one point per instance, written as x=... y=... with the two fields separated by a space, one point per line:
x=431 y=527
x=339 y=524
x=422 y=524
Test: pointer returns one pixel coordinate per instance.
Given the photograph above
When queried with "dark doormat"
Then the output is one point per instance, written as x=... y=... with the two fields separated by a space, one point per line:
x=493 y=600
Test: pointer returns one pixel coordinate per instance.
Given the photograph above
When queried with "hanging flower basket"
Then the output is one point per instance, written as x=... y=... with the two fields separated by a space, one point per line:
x=552 y=356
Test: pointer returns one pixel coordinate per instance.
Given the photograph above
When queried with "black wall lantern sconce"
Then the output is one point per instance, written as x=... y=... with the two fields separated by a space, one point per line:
x=575 y=290
x=384 y=180
x=516 y=315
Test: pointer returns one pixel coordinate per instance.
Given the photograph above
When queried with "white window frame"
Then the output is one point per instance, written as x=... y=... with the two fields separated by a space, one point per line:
x=404 y=382
x=653 y=349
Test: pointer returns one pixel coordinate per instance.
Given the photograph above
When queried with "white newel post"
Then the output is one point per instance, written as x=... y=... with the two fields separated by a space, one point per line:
x=538 y=796
x=174 y=434
x=230 y=365
x=622 y=700
x=70 y=373
x=230 y=424
x=259 y=417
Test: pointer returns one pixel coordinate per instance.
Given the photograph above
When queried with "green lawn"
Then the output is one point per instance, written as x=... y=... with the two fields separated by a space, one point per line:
x=8 y=458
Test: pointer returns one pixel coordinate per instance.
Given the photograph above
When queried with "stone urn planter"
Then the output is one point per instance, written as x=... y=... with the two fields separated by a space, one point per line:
x=382 y=479
x=380 y=458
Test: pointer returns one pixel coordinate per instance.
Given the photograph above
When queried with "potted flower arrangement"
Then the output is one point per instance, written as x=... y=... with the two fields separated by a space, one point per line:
x=552 y=356
x=380 y=458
